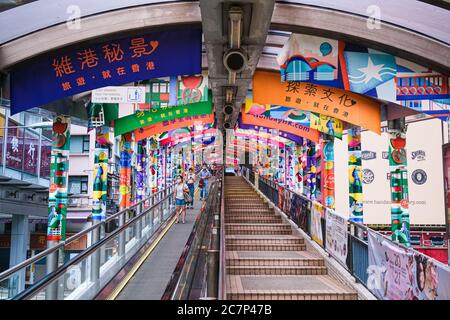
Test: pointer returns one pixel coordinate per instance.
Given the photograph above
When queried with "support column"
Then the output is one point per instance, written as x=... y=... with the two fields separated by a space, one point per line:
x=141 y=158
x=328 y=173
x=399 y=181
x=18 y=252
x=311 y=165
x=125 y=183
x=99 y=194
x=100 y=186
x=298 y=169
x=355 y=175
x=57 y=198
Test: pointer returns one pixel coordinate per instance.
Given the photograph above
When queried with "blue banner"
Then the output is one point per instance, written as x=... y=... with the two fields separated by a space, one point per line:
x=76 y=69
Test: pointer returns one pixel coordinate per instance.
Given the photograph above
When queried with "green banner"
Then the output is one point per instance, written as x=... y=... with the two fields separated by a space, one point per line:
x=145 y=118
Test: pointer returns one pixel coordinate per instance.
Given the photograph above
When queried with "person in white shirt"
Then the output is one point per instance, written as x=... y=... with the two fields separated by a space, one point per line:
x=190 y=179
x=180 y=189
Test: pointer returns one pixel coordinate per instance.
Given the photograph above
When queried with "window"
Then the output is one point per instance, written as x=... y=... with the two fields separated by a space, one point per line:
x=155 y=87
x=79 y=144
x=163 y=87
x=164 y=104
x=78 y=184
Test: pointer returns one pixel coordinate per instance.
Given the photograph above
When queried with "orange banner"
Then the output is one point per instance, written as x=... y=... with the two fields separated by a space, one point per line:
x=282 y=125
x=161 y=127
x=344 y=105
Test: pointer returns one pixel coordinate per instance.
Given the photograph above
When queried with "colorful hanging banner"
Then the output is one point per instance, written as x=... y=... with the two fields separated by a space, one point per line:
x=81 y=68
x=164 y=126
x=322 y=123
x=283 y=134
x=355 y=175
x=143 y=119
x=337 y=103
x=59 y=168
x=125 y=170
x=174 y=139
x=282 y=125
x=399 y=186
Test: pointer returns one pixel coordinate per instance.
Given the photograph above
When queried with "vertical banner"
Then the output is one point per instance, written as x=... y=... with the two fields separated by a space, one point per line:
x=59 y=168
x=399 y=186
x=336 y=236
x=355 y=175
x=328 y=174
x=125 y=170
x=100 y=186
x=311 y=173
x=141 y=160
x=316 y=223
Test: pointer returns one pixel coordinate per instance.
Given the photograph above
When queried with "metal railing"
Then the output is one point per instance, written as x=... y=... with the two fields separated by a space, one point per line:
x=298 y=208
x=118 y=237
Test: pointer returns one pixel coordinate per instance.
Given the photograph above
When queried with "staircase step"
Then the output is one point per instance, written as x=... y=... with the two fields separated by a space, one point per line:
x=272 y=258
x=257 y=228
x=286 y=287
x=263 y=239
x=252 y=219
x=276 y=270
x=266 y=247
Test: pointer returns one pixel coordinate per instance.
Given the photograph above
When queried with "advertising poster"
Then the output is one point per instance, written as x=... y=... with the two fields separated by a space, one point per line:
x=336 y=235
x=316 y=223
x=397 y=273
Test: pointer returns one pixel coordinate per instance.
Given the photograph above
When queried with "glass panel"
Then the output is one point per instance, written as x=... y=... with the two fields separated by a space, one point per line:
x=46 y=150
x=14 y=147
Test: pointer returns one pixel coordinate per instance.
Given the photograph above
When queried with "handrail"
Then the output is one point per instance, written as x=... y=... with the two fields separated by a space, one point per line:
x=5 y=274
x=222 y=269
x=48 y=279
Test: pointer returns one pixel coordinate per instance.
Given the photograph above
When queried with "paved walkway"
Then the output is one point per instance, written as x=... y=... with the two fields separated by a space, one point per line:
x=150 y=281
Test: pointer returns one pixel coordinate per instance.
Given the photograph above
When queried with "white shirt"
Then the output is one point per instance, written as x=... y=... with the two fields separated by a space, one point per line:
x=179 y=190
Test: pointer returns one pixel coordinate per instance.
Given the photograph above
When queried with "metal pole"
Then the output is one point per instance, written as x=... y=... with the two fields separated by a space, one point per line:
x=57 y=199
x=125 y=177
x=399 y=181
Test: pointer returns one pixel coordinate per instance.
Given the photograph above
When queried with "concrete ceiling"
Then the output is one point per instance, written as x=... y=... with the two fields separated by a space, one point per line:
x=255 y=24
